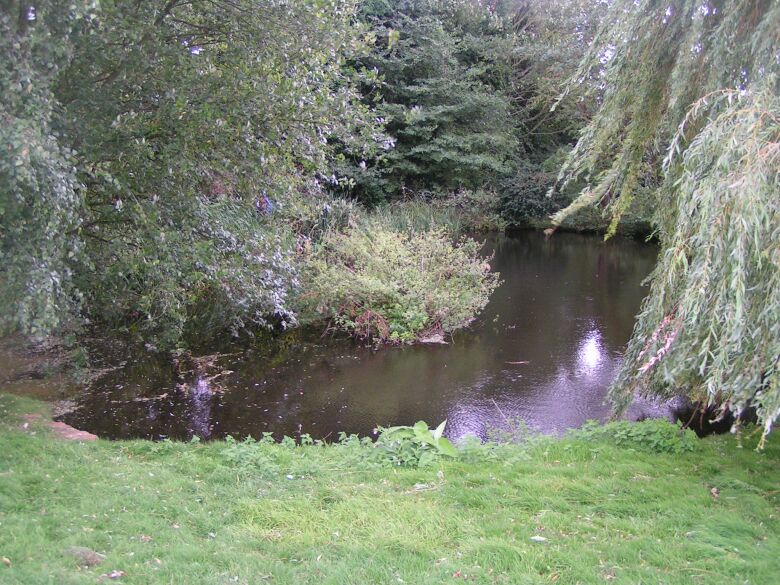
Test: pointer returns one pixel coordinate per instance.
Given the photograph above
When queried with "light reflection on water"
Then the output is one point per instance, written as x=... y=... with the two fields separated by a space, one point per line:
x=589 y=353
x=200 y=408
x=545 y=351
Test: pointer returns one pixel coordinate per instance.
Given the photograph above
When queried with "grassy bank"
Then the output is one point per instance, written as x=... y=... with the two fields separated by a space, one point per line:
x=229 y=513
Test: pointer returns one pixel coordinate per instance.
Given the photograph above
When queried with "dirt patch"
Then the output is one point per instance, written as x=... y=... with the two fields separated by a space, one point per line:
x=60 y=429
x=35 y=370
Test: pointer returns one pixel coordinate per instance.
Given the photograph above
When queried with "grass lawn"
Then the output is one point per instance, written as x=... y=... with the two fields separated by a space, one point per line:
x=219 y=513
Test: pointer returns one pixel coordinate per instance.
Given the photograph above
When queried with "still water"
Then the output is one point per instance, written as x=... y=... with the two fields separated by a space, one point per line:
x=545 y=350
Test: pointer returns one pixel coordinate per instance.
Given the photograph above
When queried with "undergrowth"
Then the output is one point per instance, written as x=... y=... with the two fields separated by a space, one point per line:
x=656 y=435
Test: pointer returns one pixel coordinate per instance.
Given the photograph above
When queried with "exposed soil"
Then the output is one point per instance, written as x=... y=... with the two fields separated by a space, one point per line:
x=60 y=429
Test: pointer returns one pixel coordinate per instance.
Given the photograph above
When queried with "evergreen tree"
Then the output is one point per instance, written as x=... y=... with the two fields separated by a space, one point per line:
x=444 y=96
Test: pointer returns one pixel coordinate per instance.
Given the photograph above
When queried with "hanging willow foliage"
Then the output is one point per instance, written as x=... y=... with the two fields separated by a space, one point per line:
x=690 y=116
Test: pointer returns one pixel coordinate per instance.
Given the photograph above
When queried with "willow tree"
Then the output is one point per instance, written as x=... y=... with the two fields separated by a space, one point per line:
x=690 y=117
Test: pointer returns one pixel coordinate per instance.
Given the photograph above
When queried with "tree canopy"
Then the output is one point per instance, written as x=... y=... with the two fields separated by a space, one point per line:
x=690 y=118
x=145 y=142
x=443 y=94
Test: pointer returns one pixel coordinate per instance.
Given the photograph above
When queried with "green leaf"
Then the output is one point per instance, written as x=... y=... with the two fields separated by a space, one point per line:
x=447 y=448
x=426 y=459
x=439 y=430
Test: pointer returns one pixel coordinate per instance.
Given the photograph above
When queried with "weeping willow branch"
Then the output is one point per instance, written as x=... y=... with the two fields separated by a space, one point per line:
x=711 y=323
x=690 y=118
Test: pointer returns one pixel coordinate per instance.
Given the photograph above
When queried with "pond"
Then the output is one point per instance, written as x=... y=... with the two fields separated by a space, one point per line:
x=545 y=351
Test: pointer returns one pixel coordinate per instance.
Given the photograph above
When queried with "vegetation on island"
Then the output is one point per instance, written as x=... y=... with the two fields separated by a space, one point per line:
x=395 y=286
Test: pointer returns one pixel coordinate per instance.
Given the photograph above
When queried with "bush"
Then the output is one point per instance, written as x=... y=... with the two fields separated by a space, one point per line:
x=394 y=286
x=656 y=435
x=416 y=446
x=227 y=270
x=523 y=194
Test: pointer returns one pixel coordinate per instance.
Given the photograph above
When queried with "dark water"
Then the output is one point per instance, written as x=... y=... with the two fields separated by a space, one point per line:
x=566 y=308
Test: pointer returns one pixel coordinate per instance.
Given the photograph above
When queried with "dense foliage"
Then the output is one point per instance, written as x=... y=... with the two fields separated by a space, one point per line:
x=469 y=95
x=148 y=146
x=397 y=286
x=166 y=161
x=550 y=39
x=444 y=73
x=40 y=204
x=188 y=132
x=691 y=119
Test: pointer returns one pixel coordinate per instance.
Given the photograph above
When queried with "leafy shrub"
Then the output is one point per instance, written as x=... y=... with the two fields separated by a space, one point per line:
x=479 y=209
x=393 y=286
x=416 y=446
x=523 y=194
x=223 y=269
x=250 y=454
x=312 y=213
x=524 y=200
x=656 y=435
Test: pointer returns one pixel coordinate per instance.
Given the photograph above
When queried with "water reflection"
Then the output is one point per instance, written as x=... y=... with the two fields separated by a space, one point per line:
x=199 y=415
x=545 y=351
x=589 y=353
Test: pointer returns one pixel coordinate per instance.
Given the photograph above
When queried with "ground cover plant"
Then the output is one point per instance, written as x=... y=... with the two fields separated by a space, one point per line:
x=553 y=511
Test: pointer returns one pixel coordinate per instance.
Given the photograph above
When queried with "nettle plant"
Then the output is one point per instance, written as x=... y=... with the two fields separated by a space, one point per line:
x=655 y=435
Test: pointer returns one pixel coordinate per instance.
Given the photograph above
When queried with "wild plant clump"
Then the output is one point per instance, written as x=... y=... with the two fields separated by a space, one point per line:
x=654 y=435
x=396 y=287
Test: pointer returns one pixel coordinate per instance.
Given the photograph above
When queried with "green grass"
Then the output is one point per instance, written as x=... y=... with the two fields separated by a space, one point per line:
x=220 y=514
